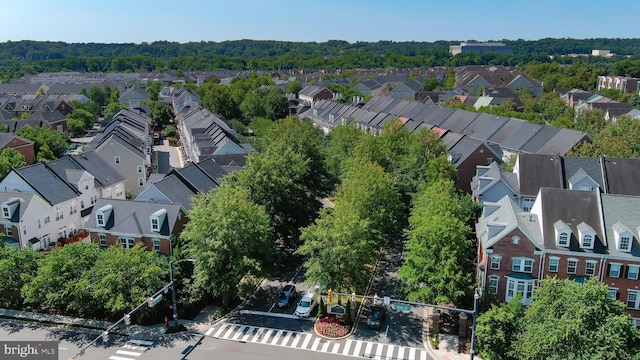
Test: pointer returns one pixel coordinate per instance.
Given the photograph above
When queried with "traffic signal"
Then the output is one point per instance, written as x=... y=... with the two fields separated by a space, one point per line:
x=329 y=295
x=127 y=319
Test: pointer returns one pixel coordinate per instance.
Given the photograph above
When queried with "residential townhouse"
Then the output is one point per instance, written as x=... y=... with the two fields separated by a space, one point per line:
x=58 y=216
x=491 y=134
x=20 y=144
x=156 y=226
x=474 y=77
x=125 y=144
x=569 y=235
x=134 y=97
x=626 y=85
x=313 y=93
x=534 y=171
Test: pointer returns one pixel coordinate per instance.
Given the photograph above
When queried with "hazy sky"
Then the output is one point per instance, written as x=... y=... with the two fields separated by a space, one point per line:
x=119 y=21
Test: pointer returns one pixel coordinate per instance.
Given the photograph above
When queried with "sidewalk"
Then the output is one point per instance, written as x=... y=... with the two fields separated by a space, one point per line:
x=447 y=345
x=153 y=332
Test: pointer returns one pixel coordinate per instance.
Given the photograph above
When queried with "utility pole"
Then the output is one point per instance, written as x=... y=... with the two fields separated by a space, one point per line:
x=174 y=297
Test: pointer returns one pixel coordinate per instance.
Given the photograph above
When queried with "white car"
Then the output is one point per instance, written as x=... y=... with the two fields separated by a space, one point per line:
x=306 y=305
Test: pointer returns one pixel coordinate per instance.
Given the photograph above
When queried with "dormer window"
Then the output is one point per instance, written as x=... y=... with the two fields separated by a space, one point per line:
x=563 y=233
x=587 y=235
x=102 y=215
x=9 y=207
x=623 y=237
x=157 y=219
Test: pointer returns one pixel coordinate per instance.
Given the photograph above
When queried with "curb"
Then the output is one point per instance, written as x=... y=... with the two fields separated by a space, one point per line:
x=315 y=330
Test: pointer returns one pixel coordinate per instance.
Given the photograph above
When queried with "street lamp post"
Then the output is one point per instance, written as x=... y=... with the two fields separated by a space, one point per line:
x=174 y=300
x=476 y=297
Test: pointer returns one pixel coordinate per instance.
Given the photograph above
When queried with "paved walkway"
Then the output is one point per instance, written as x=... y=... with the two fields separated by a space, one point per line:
x=447 y=345
x=202 y=323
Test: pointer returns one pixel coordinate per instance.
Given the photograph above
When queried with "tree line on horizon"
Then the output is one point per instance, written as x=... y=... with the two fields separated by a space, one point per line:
x=31 y=57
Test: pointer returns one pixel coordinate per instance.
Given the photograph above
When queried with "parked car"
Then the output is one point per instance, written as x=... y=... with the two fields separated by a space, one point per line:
x=376 y=316
x=287 y=296
x=306 y=305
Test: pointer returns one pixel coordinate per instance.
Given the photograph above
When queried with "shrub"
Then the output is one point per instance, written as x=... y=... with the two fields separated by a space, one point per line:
x=331 y=327
x=172 y=141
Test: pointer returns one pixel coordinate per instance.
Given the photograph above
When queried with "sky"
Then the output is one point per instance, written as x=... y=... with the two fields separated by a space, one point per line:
x=136 y=21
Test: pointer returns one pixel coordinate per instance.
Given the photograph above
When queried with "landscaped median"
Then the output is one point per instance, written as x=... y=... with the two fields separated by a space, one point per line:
x=335 y=321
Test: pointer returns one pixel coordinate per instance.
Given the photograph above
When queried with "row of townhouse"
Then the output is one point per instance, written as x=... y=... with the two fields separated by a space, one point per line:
x=568 y=234
x=581 y=100
x=125 y=144
x=472 y=138
x=558 y=216
x=203 y=134
x=47 y=203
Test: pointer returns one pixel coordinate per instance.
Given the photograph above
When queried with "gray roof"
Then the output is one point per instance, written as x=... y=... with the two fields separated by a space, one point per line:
x=174 y=189
x=104 y=173
x=6 y=138
x=624 y=210
x=590 y=166
x=459 y=120
x=540 y=139
x=196 y=177
x=622 y=176
x=485 y=125
x=24 y=198
x=563 y=141
x=516 y=133
x=47 y=183
x=572 y=207
x=439 y=116
x=133 y=217
x=537 y=171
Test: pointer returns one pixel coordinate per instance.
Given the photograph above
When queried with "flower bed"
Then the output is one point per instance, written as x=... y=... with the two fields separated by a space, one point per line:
x=332 y=327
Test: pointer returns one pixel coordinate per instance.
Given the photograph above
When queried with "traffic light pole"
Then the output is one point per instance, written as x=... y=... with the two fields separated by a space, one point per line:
x=105 y=333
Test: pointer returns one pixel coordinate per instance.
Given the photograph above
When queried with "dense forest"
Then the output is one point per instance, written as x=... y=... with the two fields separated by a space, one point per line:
x=30 y=57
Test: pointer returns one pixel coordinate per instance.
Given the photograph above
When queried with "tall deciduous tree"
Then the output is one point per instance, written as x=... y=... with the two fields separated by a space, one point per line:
x=122 y=279
x=10 y=158
x=58 y=283
x=438 y=267
x=368 y=191
x=229 y=237
x=566 y=320
x=84 y=116
x=341 y=248
x=160 y=114
x=619 y=139
x=54 y=141
x=16 y=267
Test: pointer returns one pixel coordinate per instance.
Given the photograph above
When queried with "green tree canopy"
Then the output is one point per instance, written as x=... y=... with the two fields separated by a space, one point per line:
x=10 y=158
x=51 y=143
x=566 y=320
x=161 y=114
x=59 y=285
x=438 y=267
x=122 y=279
x=85 y=117
x=229 y=237
x=16 y=267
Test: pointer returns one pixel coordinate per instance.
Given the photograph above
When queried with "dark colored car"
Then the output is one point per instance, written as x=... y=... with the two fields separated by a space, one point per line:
x=376 y=317
x=287 y=296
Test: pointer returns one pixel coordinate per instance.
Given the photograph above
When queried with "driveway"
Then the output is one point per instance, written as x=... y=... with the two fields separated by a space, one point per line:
x=168 y=157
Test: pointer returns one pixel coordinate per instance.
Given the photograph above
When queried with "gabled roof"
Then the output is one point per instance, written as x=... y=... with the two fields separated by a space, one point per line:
x=590 y=166
x=24 y=201
x=459 y=120
x=134 y=92
x=508 y=215
x=540 y=139
x=133 y=217
x=516 y=133
x=312 y=90
x=173 y=188
x=6 y=138
x=484 y=126
x=47 y=183
x=194 y=176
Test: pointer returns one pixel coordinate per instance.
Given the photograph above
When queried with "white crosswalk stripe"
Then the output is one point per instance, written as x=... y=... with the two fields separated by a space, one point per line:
x=128 y=352
x=310 y=342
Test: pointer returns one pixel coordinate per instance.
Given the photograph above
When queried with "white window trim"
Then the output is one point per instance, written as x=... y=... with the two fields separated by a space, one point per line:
x=557 y=263
x=527 y=293
x=576 y=265
x=521 y=268
x=498 y=259
x=613 y=293
x=489 y=287
x=595 y=266
x=636 y=304
x=619 y=270
x=560 y=238
x=637 y=267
